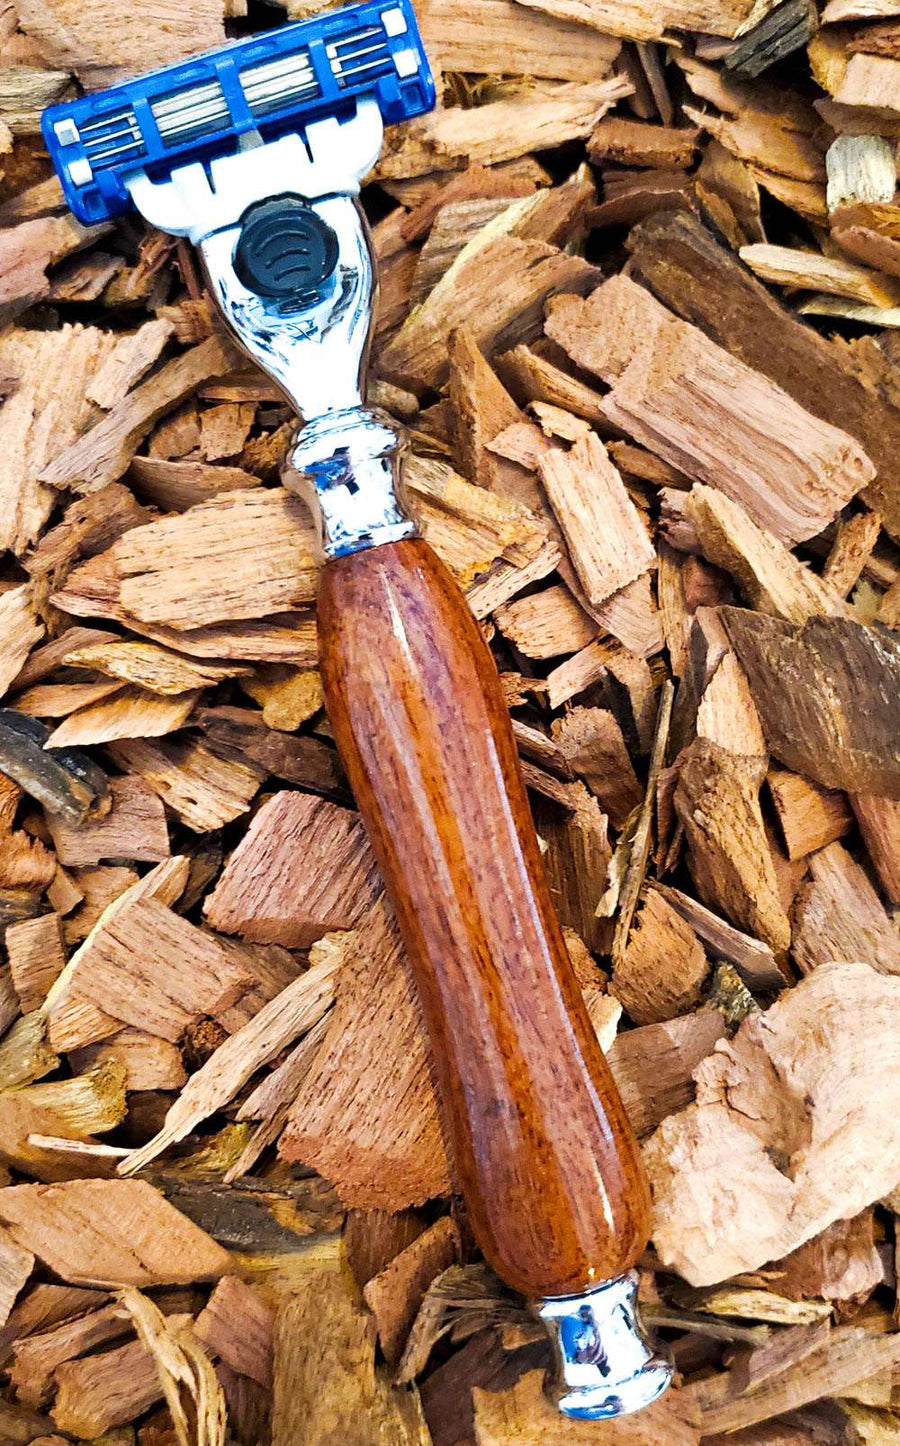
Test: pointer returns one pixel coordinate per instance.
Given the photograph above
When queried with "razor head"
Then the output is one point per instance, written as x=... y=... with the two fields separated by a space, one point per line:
x=261 y=88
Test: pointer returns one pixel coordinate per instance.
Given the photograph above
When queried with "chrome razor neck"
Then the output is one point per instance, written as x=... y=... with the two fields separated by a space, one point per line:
x=606 y=1364
x=314 y=346
x=348 y=466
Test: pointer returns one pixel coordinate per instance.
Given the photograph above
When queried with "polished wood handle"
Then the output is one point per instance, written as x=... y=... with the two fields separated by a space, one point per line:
x=541 y=1145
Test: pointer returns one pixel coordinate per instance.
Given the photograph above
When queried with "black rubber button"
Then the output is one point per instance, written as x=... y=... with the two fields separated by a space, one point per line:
x=285 y=249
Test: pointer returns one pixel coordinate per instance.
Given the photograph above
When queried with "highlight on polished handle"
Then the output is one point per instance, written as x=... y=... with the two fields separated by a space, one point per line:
x=546 y=1160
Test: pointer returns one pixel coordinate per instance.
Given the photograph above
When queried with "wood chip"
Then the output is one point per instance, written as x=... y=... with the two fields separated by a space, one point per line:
x=134 y=828
x=395 y=1294
x=838 y=915
x=607 y=540
x=36 y=958
x=20 y=629
x=103 y=454
x=269 y=893
x=129 y=713
x=663 y=969
x=158 y=670
x=110 y=1233
x=675 y=392
x=710 y=1222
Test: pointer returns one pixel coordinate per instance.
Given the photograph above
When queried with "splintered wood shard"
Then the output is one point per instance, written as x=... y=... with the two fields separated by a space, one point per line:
x=790 y=1082
x=677 y=393
x=293 y=1011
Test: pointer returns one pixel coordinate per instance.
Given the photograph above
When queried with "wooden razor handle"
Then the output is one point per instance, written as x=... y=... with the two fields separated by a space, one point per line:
x=542 y=1148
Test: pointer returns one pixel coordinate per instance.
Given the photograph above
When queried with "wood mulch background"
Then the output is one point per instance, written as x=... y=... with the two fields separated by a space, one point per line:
x=640 y=308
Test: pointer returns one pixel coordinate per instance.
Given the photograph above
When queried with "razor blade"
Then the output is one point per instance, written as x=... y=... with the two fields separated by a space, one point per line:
x=246 y=93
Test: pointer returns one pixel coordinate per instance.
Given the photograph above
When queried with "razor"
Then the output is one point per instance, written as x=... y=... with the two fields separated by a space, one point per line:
x=256 y=152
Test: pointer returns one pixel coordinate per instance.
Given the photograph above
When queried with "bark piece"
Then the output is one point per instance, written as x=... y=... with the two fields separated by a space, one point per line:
x=546 y=624
x=145 y=966
x=271 y=891
x=305 y=760
x=36 y=957
x=663 y=969
x=202 y=788
x=607 y=541
x=395 y=1294
x=391 y=1155
x=809 y=817
x=838 y=915
x=703 y=282
x=103 y=454
x=237 y=1325
x=824 y=695
x=110 y=1233
x=496 y=288
x=774 y=580
x=790 y=1088
x=676 y=392
x=717 y=801
x=65 y=781
x=134 y=828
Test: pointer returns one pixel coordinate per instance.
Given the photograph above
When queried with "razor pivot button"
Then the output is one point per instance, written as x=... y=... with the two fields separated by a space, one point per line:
x=285 y=249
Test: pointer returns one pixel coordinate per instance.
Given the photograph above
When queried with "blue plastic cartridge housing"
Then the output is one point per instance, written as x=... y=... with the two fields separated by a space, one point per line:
x=269 y=84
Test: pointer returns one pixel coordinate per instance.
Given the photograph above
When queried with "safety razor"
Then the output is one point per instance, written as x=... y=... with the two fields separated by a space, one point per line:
x=256 y=153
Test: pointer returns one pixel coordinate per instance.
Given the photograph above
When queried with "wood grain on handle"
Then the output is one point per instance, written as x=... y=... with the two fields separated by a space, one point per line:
x=543 y=1151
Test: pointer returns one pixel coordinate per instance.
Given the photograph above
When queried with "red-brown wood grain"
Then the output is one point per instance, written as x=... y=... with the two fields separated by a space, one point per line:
x=542 y=1148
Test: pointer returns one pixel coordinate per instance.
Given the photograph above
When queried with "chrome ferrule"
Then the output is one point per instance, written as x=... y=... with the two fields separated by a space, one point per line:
x=607 y=1366
x=348 y=466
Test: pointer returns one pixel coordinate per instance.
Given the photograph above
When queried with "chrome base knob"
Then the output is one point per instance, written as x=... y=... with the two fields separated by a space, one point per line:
x=607 y=1365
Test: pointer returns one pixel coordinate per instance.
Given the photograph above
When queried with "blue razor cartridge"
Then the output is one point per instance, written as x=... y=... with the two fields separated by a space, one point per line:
x=263 y=87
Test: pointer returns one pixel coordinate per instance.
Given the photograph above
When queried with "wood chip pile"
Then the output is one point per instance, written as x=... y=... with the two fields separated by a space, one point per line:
x=640 y=307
